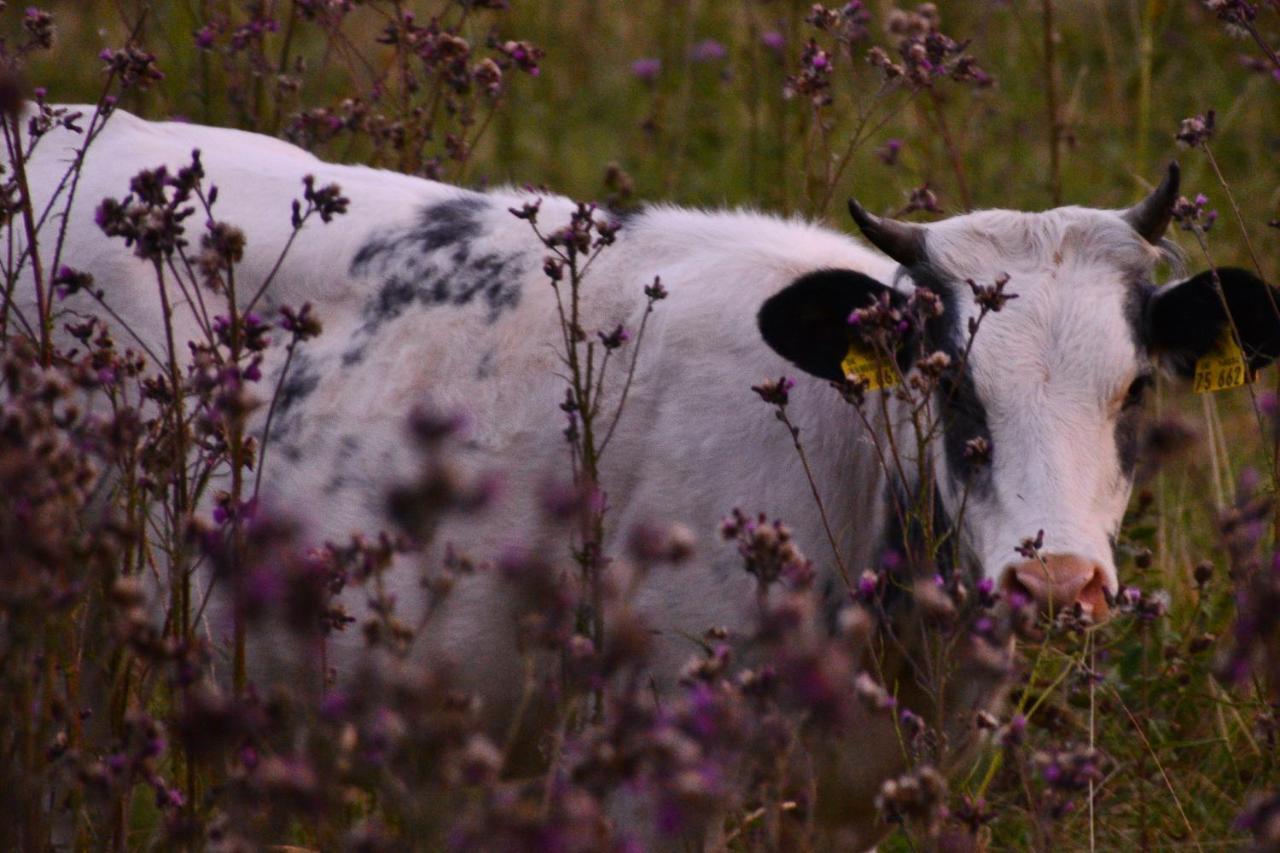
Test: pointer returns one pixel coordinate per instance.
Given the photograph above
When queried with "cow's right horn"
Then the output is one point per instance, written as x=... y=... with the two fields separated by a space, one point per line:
x=902 y=241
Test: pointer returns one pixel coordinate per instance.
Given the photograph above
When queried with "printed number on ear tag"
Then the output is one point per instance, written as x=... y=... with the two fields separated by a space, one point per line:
x=1222 y=367
x=869 y=366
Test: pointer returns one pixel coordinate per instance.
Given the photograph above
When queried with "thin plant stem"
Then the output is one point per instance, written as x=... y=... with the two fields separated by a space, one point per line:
x=817 y=496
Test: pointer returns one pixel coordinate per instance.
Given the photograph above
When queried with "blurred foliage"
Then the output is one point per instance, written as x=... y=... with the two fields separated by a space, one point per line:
x=709 y=130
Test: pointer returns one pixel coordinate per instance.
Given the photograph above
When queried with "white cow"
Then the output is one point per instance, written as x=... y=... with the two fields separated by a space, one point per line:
x=428 y=291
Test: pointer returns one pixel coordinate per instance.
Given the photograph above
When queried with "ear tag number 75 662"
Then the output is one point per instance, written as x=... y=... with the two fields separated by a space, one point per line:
x=1222 y=367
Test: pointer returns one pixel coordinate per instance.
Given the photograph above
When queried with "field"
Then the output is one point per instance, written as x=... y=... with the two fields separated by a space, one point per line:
x=1158 y=730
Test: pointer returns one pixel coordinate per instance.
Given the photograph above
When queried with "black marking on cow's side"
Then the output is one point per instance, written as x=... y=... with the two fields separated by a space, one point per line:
x=487 y=368
x=432 y=263
x=355 y=353
x=348 y=447
x=300 y=383
x=446 y=223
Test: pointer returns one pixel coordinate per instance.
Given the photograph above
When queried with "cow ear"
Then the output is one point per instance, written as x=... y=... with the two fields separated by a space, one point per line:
x=807 y=323
x=1183 y=320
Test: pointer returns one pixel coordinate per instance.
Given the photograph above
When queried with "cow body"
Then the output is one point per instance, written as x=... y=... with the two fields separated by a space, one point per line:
x=432 y=294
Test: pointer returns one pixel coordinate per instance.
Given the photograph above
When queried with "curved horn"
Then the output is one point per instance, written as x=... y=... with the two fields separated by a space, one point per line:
x=902 y=241
x=1150 y=217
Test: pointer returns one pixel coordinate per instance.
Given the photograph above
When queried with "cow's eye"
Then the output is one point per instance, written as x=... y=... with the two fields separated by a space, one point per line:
x=1137 y=390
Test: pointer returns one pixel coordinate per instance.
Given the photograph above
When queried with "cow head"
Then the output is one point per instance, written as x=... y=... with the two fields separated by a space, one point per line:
x=1054 y=381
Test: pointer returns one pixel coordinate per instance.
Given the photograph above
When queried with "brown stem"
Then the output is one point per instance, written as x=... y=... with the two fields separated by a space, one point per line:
x=817 y=497
x=13 y=139
x=1266 y=48
x=953 y=152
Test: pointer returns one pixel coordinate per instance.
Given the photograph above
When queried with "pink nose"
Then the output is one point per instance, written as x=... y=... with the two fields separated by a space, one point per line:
x=1059 y=581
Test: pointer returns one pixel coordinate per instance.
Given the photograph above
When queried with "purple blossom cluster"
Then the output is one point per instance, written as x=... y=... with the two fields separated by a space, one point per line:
x=925 y=53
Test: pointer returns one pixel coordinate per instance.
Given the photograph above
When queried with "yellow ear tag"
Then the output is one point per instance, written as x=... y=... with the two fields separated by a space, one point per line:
x=869 y=366
x=1222 y=367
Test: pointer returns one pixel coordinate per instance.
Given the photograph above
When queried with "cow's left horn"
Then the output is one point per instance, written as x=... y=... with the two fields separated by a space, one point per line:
x=902 y=241
x=1150 y=217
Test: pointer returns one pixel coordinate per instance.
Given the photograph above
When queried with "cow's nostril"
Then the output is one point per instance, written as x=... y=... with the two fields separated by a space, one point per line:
x=1015 y=591
x=1060 y=581
x=1093 y=597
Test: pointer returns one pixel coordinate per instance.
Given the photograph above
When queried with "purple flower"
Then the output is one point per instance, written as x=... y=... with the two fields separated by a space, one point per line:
x=868 y=586
x=67 y=281
x=334 y=705
x=1018 y=600
x=169 y=797
x=670 y=817
x=646 y=70
x=613 y=340
x=774 y=41
x=708 y=50
x=888 y=153
x=205 y=37
x=774 y=393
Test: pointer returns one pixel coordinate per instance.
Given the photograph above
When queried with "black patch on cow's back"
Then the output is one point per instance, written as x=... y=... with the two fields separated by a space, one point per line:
x=446 y=223
x=434 y=263
x=625 y=216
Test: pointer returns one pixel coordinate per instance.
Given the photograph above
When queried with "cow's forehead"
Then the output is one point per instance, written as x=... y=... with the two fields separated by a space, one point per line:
x=1061 y=243
x=1079 y=275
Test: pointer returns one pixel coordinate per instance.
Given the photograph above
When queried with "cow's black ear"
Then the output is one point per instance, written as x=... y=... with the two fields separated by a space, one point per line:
x=807 y=323
x=1184 y=319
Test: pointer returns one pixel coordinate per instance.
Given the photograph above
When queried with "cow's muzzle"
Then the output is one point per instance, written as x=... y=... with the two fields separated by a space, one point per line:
x=1060 y=581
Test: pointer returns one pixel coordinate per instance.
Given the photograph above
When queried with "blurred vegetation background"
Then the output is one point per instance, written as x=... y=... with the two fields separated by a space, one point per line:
x=710 y=125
